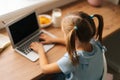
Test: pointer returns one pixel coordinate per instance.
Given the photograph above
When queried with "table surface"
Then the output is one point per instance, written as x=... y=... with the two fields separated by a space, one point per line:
x=14 y=66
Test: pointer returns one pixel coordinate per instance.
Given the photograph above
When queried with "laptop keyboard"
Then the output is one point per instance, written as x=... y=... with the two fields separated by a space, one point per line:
x=25 y=48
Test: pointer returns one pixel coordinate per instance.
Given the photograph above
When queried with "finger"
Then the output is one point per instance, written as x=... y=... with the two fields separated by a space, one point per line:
x=32 y=44
x=31 y=47
x=41 y=35
x=42 y=38
x=43 y=42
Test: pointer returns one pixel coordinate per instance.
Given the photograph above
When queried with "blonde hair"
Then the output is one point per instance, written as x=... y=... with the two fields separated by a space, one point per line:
x=82 y=26
x=68 y=27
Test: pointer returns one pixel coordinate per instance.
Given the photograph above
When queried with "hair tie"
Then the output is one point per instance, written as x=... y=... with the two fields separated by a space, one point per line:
x=91 y=16
x=75 y=27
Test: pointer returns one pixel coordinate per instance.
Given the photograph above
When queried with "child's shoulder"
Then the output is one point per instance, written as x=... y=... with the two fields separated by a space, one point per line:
x=97 y=43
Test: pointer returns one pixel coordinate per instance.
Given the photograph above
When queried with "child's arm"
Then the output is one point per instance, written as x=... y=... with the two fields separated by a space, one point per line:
x=59 y=41
x=44 y=65
x=62 y=65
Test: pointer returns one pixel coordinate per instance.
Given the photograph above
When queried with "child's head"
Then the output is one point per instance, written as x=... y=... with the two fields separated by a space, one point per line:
x=81 y=26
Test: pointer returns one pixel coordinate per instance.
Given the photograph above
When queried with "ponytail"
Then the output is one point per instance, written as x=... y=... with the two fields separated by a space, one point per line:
x=100 y=27
x=71 y=47
x=99 y=30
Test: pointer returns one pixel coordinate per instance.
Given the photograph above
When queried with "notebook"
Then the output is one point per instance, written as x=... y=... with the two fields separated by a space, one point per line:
x=4 y=42
x=24 y=31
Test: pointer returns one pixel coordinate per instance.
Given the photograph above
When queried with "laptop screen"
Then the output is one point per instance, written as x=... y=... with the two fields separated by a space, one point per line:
x=24 y=27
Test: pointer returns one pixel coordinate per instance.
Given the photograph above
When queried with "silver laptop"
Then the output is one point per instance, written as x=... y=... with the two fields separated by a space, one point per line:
x=24 y=31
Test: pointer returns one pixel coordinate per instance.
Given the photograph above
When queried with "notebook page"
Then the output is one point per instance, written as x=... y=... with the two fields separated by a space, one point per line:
x=4 y=41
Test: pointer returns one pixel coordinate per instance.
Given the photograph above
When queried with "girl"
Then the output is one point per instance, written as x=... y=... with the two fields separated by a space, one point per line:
x=83 y=60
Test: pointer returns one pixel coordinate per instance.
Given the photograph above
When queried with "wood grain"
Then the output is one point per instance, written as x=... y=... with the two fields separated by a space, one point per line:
x=13 y=66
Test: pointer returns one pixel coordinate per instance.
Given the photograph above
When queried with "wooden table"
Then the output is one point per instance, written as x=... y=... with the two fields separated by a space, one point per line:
x=13 y=66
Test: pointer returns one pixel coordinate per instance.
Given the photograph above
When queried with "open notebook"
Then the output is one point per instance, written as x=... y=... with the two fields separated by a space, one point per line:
x=4 y=42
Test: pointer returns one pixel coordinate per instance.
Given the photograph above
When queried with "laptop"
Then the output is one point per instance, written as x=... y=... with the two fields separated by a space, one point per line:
x=23 y=32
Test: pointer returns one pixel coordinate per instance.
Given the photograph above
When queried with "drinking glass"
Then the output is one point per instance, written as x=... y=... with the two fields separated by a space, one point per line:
x=56 y=17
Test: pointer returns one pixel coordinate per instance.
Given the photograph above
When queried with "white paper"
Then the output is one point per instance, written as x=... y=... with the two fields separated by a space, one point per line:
x=4 y=41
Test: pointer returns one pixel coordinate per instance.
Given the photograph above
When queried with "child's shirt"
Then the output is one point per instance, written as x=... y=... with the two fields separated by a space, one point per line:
x=90 y=66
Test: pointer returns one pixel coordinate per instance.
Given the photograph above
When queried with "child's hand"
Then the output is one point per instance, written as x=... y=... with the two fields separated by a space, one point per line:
x=46 y=39
x=37 y=47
